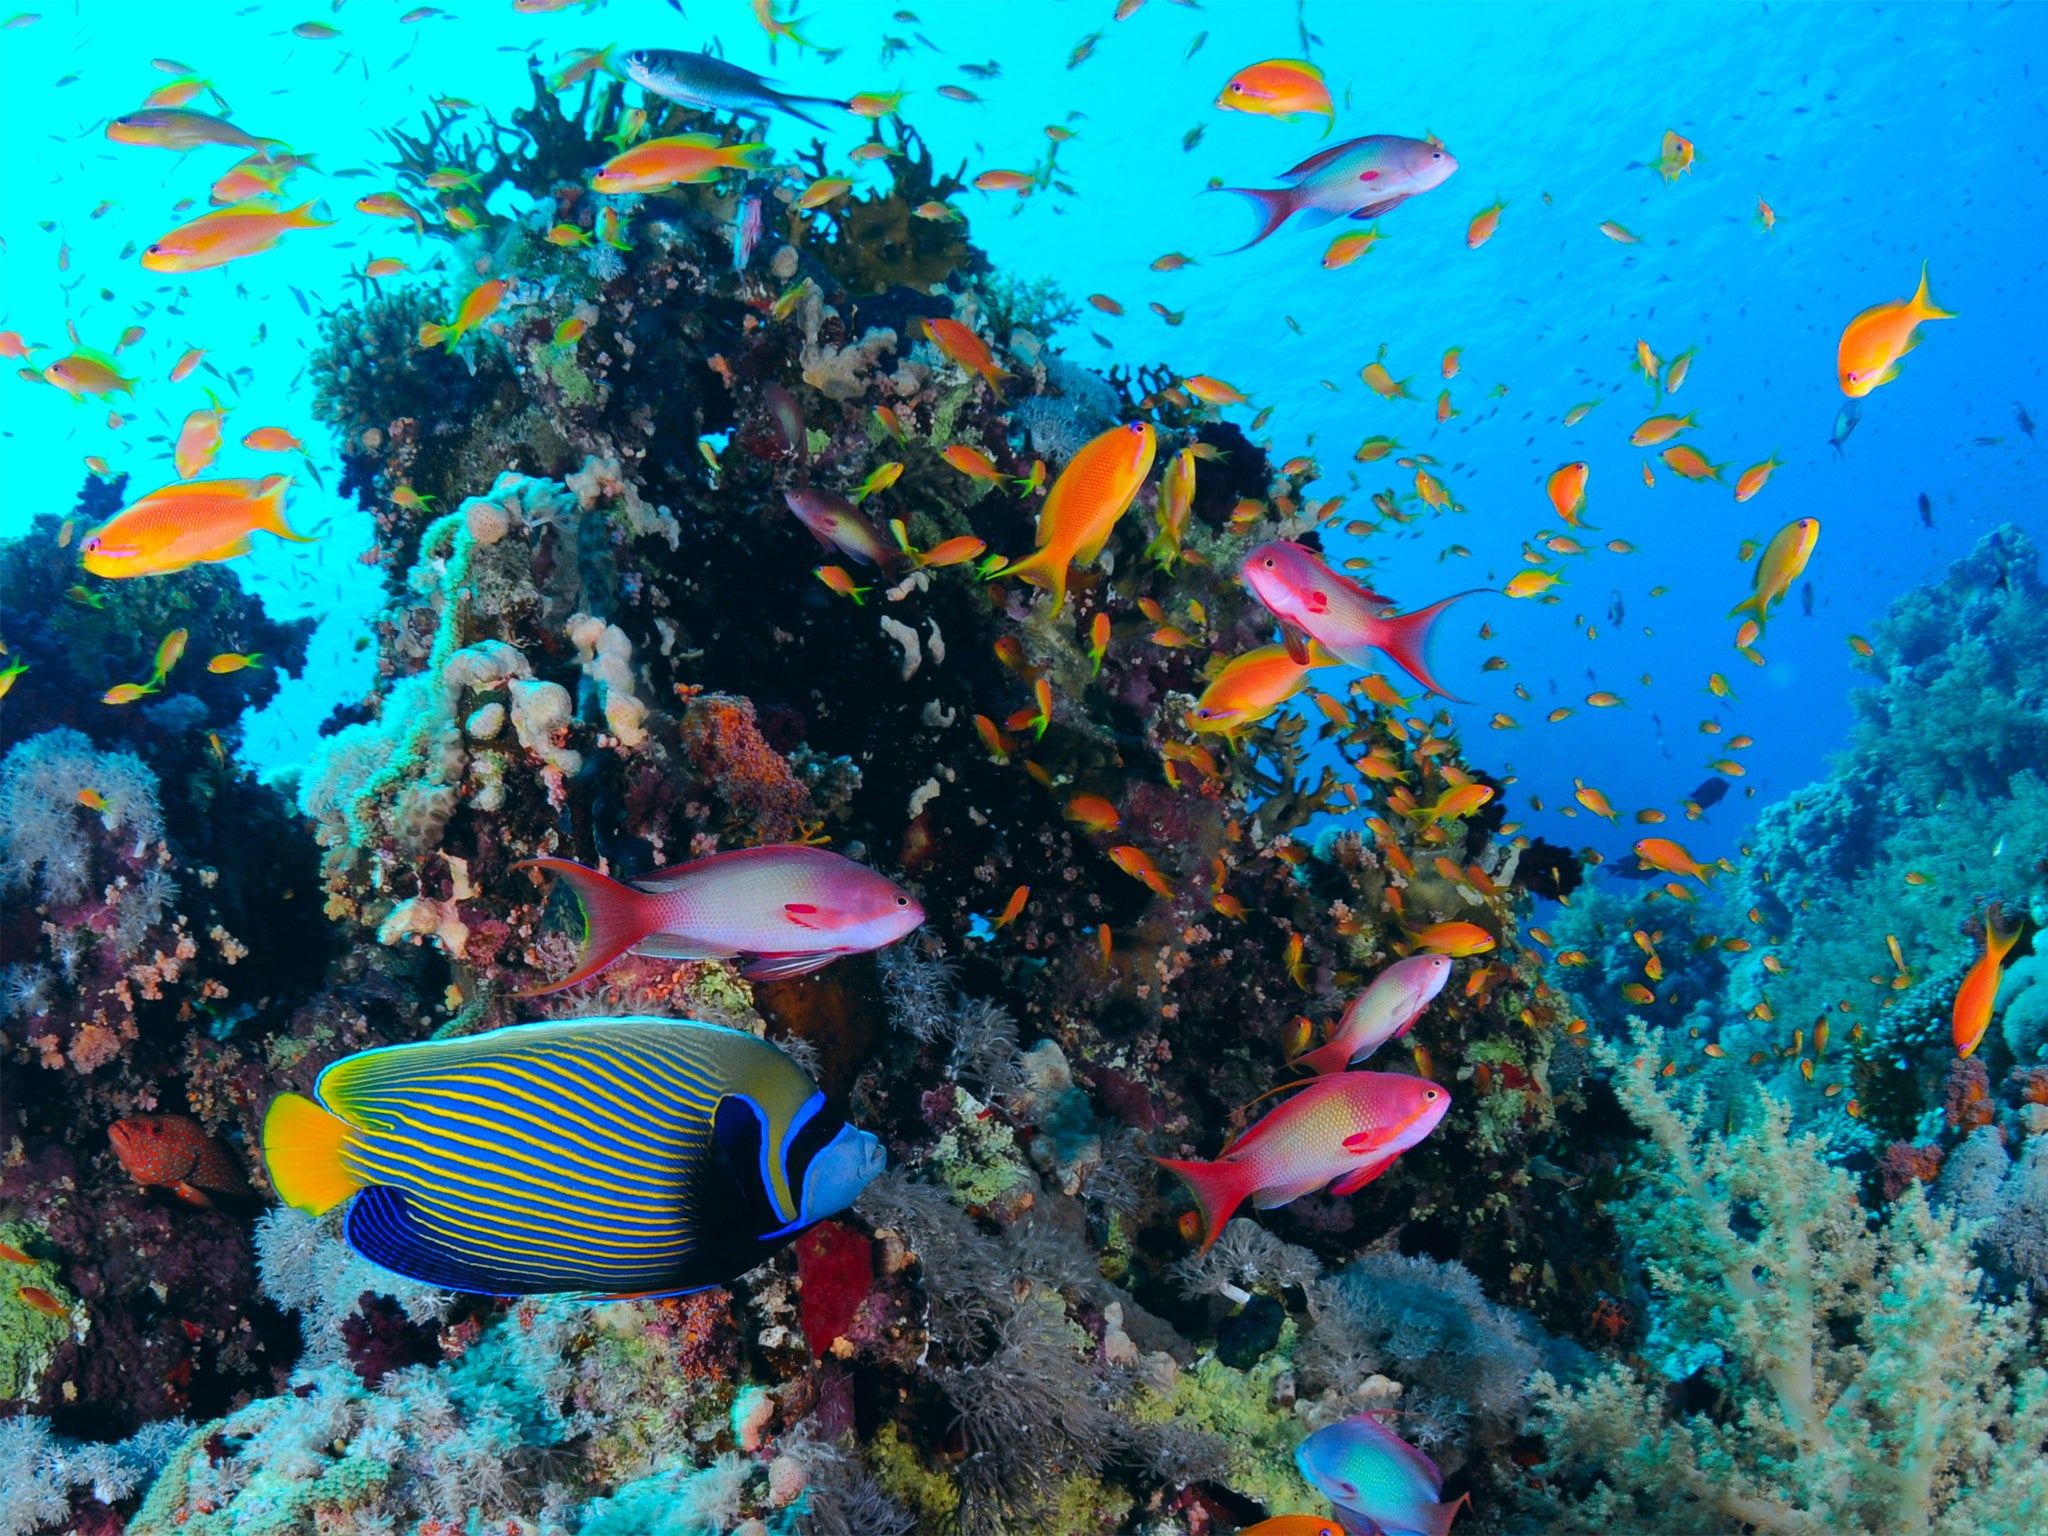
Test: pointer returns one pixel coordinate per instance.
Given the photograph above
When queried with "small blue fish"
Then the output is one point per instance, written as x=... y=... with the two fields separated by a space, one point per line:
x=613 y=1157
x=1377 y=1480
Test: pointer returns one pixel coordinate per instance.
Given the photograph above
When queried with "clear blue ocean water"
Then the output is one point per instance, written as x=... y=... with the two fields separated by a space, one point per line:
x=1882 y=136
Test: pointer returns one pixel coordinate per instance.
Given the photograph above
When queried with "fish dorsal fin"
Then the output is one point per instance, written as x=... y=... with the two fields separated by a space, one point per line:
x=1235 y=1141
x=1321 y=160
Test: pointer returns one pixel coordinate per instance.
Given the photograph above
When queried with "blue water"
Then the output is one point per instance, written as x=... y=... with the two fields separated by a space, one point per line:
x=1883 y=136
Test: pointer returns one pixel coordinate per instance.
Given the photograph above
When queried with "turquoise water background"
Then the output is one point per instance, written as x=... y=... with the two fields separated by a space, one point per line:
x=1881 y=135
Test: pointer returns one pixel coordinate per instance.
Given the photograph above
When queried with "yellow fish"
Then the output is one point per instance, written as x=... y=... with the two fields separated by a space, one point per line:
x=1783 y=560
x=228 y=234
x=85 y=373
x=682 y=160
x=1252 y=686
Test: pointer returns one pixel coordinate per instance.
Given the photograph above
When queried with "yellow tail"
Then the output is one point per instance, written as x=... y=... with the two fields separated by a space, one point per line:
x=1923 y=301
x=302 y=1146
x=1047 y=569
x=270 y=509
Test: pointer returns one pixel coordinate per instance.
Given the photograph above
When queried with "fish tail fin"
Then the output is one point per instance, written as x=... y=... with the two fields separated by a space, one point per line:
x=302 y=1147
x=615 y=918
x=1923 y=301
x=1407 y=637
x=1274 y=205
x=1219 y=1189
x=270 y=509
x=1437 y=1517
x=312 y=214
x=1332 y=1056
x=1044 y=569
x=817 y=101
x=432 y=334
x=1752 y=605
x=2001 y=932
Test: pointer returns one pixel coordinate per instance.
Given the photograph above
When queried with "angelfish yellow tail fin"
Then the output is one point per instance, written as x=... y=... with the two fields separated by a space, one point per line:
x=302 y=1146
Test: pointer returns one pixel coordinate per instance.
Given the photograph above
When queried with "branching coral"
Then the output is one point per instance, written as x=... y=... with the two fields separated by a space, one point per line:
x=1862 y=1384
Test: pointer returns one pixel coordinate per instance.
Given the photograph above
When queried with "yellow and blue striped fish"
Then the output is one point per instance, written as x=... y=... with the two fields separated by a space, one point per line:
x=634 y=1156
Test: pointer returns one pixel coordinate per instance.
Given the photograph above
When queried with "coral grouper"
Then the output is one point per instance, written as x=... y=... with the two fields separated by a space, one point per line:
x=628 y=1156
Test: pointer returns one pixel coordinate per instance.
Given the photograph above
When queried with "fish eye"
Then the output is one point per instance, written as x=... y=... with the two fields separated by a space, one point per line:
x=902 y=901
x=1271 y=563
x=1431 y=1095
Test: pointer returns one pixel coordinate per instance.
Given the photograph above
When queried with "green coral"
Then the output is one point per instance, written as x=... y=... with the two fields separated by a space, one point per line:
x=901 y=1474
x=28 y=1337
x=1861 y=1382
x=978 y=1160
x=1240 y=1408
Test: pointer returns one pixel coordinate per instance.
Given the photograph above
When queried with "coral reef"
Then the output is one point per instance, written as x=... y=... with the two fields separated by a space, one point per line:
x=1835 y=1374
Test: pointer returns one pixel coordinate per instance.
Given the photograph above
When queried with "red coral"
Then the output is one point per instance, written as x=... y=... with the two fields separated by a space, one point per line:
x=1968 y=1096
x=702 y=1338
x=2031 y=1083
x=835 y=1270
x=1905 y=1161
x=755 y=781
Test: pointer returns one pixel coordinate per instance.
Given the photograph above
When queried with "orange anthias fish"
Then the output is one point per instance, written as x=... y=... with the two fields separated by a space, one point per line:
x=1094 y=812
x=1784 y=559
x=1092 y=492
x=968 y=350
x=1753 y=479
x=1483 y=224
x=478 y=305
x=1683 y=459
x=192 y=523
x=272 y=440
x=1279 y=88
x=1660 y=429
x=198 y=441
x=1455 y=939
x=1675 y=159
x=1342 y=1129
x=1662 y=853
x=174 y=1152
x=1979 y=991
x=1137 y=863
x=228 y=234
x=1252 y=686
x=1567 y=490
x=1878 y=338
x=972 y=461
x=682 y=160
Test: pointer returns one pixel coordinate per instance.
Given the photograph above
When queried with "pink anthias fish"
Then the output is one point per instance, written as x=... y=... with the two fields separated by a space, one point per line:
x=1343 y=1130
x=746 y=231
x=1313 y=602
x=1358 y=179
x=838 y=524
x=1378 y=1481
x=1382 y=1012
x=787 y=908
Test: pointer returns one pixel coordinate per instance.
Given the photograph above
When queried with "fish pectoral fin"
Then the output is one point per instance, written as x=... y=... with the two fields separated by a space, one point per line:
x=1297 y=644
x=782 y=967
x=1316 y=218
x=1364 y=1174
x=1374 y=210
x=229 y=550
x=674 y=946
x=191 y=1196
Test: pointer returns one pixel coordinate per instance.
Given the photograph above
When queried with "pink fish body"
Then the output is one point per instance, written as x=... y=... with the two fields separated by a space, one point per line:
x=1358 y=179
x=786 y=908
x=1382 y=1012
x=1309 y=599
x=1377 y=1480
x=838 y=524
x=1342 y=1130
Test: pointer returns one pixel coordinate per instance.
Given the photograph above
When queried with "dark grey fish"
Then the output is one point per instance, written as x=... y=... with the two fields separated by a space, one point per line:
x=1926 y=510
x=1709 y=794
x=2026 y=422
x=699 y=80
x=1845 y=423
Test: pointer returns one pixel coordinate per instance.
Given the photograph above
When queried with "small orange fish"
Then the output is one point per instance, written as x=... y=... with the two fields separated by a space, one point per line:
x=198 y=441
x=1875 y=341
x=1213 y=391
x=1346 y=249
x=1138 y=864
x=1754 y=478
x=1766 y=215
x=1660 y=429
x=1279 y=88
x=1979 y=991
x=86 y=372
x=961 y=345
x=186 y=364
x=836 y=578
x=685 y=159
x=1567 y=490
x=477 y=306
x=272 y=440
x=37 y=1299
x=1020 y=182
x=228 y=234
x=1094 y=813
x=954 y=551
x=1457 y=940
x=231 y=661
x=1483 y=224
x=972 y=461
x=1684 y=459
x=1014 y=908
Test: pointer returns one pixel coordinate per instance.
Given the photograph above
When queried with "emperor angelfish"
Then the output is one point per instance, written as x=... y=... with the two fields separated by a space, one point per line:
x=614 y=1157
x=699 y=80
